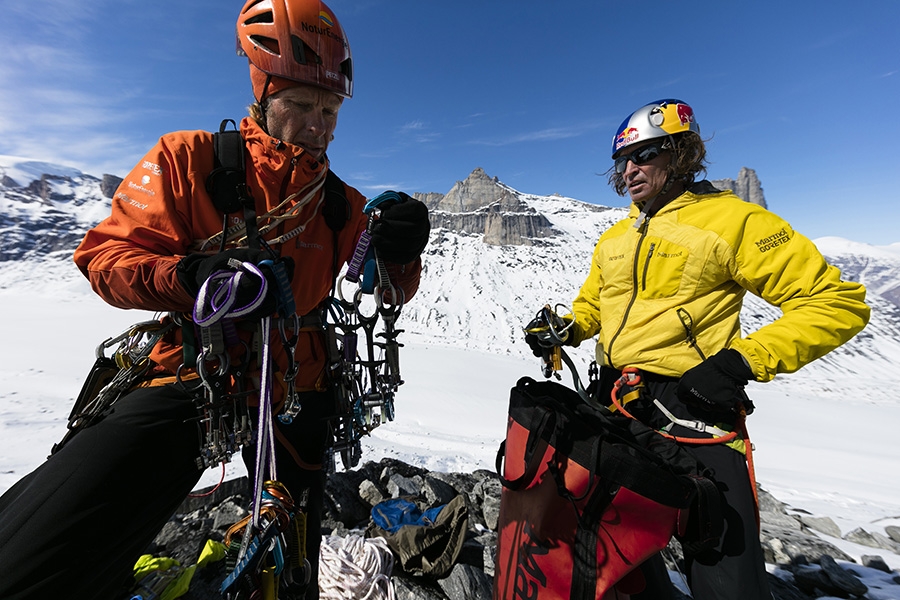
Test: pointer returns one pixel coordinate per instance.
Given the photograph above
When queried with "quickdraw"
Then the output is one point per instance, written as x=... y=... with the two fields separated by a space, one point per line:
x=112 y=376
x=267 y=548
x=364 y=385
x=552 y=331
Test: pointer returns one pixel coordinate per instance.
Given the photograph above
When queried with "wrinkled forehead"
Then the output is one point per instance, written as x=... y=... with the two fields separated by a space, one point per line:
x=303 y=92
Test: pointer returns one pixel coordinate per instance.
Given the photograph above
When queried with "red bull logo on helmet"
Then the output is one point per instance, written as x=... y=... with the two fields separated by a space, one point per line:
x=629 y=135
x=685 y=113
x=674 y=117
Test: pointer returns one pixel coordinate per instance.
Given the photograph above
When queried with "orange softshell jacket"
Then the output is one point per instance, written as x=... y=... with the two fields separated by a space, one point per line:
x=162 y=212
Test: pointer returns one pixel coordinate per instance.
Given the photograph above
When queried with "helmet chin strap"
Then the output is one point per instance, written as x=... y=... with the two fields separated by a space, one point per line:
x=648 y=205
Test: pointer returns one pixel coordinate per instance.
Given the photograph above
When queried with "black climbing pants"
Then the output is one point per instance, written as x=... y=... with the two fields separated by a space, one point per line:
x=74 y=527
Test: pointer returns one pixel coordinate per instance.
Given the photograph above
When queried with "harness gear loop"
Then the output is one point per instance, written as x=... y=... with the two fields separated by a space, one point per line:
x=631 y=377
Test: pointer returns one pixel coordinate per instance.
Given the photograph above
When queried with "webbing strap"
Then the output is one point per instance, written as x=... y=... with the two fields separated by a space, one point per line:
x=584 y=554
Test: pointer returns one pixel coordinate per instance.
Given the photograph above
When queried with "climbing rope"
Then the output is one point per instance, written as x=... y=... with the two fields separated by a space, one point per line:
x=355 y=568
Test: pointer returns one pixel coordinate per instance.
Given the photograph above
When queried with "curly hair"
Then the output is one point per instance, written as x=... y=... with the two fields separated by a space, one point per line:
x=689 y=161
x=258 y=113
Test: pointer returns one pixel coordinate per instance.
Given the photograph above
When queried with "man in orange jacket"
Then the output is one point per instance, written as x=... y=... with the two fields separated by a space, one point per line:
x=75 y=526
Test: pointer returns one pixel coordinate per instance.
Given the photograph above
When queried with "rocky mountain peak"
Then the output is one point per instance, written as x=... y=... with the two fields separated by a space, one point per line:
x=480 y=204
x=746 y=186
x=478 y=191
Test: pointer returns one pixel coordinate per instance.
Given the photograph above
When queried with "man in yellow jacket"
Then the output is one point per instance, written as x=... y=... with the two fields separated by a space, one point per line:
x=664 y=295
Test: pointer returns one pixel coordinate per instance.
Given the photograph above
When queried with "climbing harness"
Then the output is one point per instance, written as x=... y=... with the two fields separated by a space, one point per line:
x=631 y=378
x=225 y=338
x=552 y=330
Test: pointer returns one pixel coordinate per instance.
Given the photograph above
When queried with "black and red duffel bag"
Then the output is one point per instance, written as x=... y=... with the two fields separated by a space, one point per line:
x=587 y=496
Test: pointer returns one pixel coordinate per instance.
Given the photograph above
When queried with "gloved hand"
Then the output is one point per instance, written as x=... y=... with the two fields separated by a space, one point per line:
x=715 y=384
x=194 y=269
x=535 y=344
x=401 y=232
x=538 y=334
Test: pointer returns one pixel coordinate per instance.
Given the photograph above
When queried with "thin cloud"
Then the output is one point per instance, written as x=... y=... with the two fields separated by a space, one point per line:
x=383 y=187
x=541 y=135
x=417 y=132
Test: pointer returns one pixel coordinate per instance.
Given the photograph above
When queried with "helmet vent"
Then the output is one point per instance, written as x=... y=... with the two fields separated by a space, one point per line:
x=268 y=44
x=263 y=17
x=303 y=53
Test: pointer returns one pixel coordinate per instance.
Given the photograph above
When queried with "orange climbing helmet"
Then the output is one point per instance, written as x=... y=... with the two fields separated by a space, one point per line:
x=297 y=40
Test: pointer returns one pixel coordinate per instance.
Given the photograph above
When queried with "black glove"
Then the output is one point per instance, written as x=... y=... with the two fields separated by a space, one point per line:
x=538 y=335
x=401 y=232
x=193 y=271
x=716 y=384
x=535 y=344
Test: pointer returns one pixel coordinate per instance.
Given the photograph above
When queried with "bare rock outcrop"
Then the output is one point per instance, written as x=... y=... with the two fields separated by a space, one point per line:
x=482 y=205
x=746 y=187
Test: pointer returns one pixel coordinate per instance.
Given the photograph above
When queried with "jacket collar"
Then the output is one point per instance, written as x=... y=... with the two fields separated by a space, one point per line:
x=699 y=191
x=275 y=156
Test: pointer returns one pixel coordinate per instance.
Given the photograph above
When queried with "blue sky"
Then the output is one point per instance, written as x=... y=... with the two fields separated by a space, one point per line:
x=805 y=93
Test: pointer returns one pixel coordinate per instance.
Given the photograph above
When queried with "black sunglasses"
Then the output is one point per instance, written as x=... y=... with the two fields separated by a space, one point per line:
x=639 y=156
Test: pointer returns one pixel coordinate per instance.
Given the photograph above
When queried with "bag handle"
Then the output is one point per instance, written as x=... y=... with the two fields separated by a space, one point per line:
x=532 y=459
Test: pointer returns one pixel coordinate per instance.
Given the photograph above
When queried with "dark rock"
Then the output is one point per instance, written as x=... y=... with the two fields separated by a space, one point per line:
x=482 y=205
x=786 y=546
x=109 y=184
x=370 y=492
x=407 y=589
x=875 y=562
x=872 y=540
x=436 y=491
x=746 y=186
x=784 y=590
x=821 y=524
x=342 y=501
x=397 y=485
x=841 y=578
x=466 y=582
x=348 y=504
x=810 y=578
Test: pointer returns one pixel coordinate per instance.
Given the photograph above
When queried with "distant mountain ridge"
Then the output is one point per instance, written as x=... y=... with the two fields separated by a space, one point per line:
x=496 y=255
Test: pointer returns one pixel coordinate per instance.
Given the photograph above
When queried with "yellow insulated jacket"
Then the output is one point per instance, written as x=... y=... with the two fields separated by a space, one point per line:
x=665 y=298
